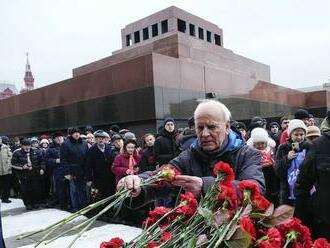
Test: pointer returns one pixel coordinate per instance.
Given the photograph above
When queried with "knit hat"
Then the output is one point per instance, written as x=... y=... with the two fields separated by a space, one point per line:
x=168 y=119
x=115 y=128
x=101 y=134
x=313 y=131
x=26 y=142
x=257 y=122
x=274 y=123
x=259 y=134
x=295 y=124
x=73 y=130
x=34 y=140
x=241 y=125
x=5 y=140
x=57 y=134
x=301 y=114
x=89 y=128
x=44 y=141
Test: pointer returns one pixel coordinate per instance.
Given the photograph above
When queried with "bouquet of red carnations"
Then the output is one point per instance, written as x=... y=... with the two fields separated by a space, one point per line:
x=227 y=215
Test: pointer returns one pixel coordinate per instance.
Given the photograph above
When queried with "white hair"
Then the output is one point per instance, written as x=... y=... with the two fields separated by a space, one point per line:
x=213 y=104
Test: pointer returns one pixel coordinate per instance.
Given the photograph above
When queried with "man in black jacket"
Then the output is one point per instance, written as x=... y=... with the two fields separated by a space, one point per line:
x=53 y=162
x=315 y=172
x=166 y=146
x=72 y=157
x=99 y=159
x=30 y=167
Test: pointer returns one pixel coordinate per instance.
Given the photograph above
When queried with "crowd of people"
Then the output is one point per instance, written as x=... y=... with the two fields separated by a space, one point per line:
x=290 y=161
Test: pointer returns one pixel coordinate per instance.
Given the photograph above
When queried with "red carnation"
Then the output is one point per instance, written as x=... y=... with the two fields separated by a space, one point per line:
x=224 y=169
x=247 y=225
x=189 y=205
x=273 y=239
x=153 y=244
x=155 y=215
x=296 y=233
x=113 y=243
x=166 y=236
x=252 y=187
x=260 y=202
x=227 y=193
x=321 y=243
x=168 y=172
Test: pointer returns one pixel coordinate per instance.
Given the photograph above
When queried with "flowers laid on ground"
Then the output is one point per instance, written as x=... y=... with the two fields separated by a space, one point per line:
x=230 y=214
x=226 y=216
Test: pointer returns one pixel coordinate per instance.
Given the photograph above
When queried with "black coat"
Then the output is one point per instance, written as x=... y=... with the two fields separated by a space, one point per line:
x=315 y=171
x=53 y=153
x=98 y=169
x=282 y=163
x=148 y=162
x=166 y=147
x=19 y=159
x=72 y=155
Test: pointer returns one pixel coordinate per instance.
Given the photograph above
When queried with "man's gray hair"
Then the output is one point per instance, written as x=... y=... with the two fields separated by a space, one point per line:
x=207 y=103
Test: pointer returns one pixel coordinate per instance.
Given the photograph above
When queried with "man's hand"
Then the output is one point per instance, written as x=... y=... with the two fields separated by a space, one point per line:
x=190 y=184
x=292 y=155
x=132 y=182
x=41 y=172
x=25 y=167
x=57 y=161
x=89 y=183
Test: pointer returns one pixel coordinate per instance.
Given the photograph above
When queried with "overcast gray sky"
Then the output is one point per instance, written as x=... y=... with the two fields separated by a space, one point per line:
x=292 y=36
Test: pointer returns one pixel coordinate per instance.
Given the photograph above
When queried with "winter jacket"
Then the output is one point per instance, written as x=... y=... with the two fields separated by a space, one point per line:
x=245 y=160
x=20 y=158
x=53 y=153
x=165 y=147
x=148 y=162
x=121 y=164
x=315 y=171
x=98 y=169
x=282 y=164
x=72 y=155
x=187 y=138
x=5 y=160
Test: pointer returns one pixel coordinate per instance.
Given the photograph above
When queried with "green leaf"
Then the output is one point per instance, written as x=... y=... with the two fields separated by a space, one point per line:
x=207 y=215
x=282 y=214
x=240 y=239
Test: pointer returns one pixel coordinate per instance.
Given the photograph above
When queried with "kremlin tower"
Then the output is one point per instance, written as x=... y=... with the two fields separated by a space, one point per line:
x=28 y=77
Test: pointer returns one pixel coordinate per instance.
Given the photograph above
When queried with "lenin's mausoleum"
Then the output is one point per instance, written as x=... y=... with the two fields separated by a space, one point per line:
x=168 y=61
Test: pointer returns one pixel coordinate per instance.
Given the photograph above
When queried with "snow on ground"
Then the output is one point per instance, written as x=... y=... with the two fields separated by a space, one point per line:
x=15 y=203
x=31 y=221
x=14 y=225
x=94 y=237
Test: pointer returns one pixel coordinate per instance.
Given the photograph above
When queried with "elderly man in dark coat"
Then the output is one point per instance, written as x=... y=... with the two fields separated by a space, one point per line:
x=99 y=159
x=215 y=142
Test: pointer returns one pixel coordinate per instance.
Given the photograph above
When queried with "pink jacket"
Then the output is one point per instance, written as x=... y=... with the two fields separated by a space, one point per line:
x=121 y=164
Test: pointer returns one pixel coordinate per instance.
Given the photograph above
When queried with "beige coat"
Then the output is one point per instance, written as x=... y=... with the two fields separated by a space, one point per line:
x=5 y=160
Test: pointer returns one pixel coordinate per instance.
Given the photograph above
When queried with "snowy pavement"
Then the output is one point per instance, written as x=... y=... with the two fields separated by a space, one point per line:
x=16 y=220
